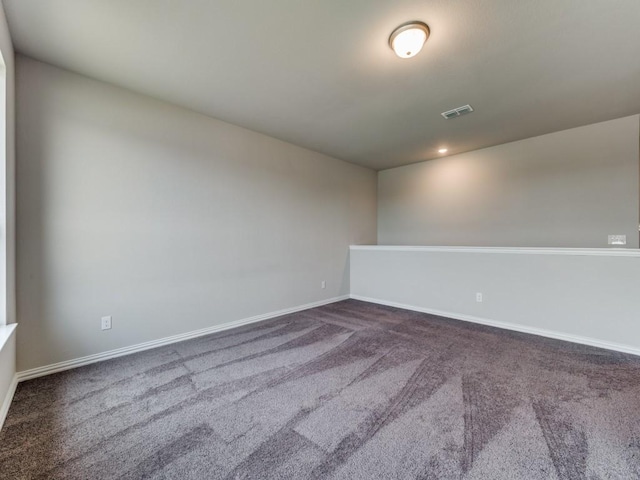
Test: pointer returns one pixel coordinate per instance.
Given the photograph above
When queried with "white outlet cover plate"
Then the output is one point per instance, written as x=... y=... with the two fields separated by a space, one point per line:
x=617 y=239
x=106 y=323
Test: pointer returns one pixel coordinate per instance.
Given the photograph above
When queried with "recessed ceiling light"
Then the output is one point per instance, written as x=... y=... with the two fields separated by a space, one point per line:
x=443 y=150
x=408 y=39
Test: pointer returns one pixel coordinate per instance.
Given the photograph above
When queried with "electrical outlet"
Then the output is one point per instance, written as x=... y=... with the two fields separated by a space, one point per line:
x=479 y=297
x=323 y=284
x=106 y=323
x=617 y=239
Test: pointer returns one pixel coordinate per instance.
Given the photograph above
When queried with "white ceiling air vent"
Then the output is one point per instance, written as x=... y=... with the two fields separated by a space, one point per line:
x=456 y=112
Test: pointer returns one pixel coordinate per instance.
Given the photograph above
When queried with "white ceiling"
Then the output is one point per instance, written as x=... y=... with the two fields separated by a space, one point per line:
x=319 y=73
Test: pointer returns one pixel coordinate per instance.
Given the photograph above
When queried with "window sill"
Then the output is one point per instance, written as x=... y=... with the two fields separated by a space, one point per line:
x=5 y=333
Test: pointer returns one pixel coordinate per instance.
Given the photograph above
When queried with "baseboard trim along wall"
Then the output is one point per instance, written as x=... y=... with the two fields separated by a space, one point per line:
x=592 y=342
x=6 y=403
x=82 y=361
x=120 y=352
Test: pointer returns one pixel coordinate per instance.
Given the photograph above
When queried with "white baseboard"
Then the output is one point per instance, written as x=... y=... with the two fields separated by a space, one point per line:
x=99 y=357
x=509 y=326
x=6 y=403
x=79 y=362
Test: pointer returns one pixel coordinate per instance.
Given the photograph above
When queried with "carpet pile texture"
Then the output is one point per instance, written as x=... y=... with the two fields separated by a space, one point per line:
x=350 y=390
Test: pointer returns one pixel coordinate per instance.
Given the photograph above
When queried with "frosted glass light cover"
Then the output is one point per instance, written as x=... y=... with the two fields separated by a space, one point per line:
x=407 y=40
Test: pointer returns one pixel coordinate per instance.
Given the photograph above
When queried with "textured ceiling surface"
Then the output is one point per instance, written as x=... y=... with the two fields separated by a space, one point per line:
x=319 y=73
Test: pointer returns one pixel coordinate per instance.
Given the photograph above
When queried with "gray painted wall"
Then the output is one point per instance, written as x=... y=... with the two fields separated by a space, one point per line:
x=167 y=220
x=578 y=296
x=566 y=189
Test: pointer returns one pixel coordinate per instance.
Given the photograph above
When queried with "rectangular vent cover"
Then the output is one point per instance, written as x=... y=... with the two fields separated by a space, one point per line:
x=456 y=112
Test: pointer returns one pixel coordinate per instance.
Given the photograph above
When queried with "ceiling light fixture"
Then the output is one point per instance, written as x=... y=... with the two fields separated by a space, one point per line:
x=408 y=39
x=443 y=150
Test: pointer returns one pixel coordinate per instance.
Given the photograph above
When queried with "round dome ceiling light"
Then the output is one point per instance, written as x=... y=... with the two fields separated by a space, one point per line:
x=408 y=39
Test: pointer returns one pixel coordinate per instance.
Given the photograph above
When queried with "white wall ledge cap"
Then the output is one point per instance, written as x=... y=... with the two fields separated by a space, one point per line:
x=598 y=252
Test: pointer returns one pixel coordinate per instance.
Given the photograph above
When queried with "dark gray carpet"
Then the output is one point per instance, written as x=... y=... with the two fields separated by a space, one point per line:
x=346 y=391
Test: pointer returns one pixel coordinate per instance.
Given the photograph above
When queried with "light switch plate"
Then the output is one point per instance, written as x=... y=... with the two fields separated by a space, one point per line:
x=617 y=239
